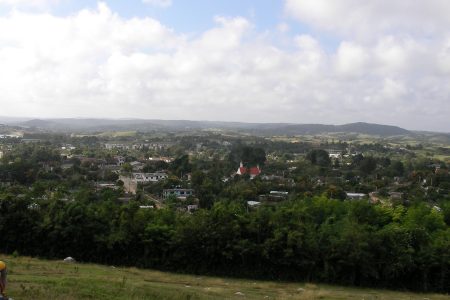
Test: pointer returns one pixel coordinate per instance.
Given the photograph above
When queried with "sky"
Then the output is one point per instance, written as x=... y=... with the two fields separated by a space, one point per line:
x=296 y=61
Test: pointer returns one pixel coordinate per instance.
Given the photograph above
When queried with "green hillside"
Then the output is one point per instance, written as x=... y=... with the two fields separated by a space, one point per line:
x=35 y=279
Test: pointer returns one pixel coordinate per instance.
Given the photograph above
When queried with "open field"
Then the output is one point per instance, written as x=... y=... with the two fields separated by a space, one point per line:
x=116 y=134
x=31 y=278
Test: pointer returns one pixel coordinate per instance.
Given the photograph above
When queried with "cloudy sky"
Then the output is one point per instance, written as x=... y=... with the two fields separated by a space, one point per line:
x=301 y=61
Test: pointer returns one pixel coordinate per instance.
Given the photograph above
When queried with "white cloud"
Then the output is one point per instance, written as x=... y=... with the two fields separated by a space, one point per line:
x=394 y=53
x=28 y=3
x=283 y=27
x=161 y=3
x=352 y=60
x=443 y=56
x=96 y=63
x=370 y=19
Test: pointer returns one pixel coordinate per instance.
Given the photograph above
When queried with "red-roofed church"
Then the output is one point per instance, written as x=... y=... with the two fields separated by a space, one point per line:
x=253 y=171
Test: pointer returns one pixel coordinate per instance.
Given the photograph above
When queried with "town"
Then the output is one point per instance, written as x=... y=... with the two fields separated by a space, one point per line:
x=248 y=204
x=193 y=171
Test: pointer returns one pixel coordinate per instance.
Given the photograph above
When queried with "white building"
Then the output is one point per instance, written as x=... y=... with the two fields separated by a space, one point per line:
x=178 y=193
x=149 y=177
x=120 y=160
x=111 y=146
x=335 y=155
x=356 y=196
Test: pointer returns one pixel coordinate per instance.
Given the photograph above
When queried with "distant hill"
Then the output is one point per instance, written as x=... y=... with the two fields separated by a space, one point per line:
x=9 y=120
x=38 y=123
x=96 y=125
x=62 y=125
x=361 y=128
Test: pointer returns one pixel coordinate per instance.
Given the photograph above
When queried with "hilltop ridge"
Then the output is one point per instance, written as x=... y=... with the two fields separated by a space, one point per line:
x=90 y=124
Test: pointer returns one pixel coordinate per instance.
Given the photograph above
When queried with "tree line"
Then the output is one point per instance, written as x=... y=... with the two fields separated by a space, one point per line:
x=309 y=239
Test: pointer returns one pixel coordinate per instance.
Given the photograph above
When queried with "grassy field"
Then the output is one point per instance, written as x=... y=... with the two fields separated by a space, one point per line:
x=40 y=279
x=116 y=134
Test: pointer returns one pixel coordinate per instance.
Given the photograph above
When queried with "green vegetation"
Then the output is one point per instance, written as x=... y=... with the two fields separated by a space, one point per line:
x=41 y=280
x=316 y=239
x=358 y=211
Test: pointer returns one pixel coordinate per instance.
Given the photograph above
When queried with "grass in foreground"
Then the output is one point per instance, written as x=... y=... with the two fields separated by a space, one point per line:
x=31 y=278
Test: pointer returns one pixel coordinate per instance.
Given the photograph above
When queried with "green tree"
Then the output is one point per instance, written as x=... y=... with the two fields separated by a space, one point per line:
x=319 y=157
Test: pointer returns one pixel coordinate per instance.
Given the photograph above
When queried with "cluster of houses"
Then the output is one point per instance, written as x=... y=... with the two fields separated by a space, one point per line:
x=110 y=146
x=11 y=136
x=161 y=158
x=132 y=180
x=137 y=146
x=136 y=177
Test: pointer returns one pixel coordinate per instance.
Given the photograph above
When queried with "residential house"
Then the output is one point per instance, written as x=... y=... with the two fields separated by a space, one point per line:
x=137 y=166
x=131 y=181
x=192 y=207
x=356 y=196
x=111 y=146
x=274 y=196
x=120 y=160
x=149 y=177
x=253 y=204
x=179 y=193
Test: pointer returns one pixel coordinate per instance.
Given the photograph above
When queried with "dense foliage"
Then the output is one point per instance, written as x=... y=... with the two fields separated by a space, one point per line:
x=66 y=196
x=314 y=239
